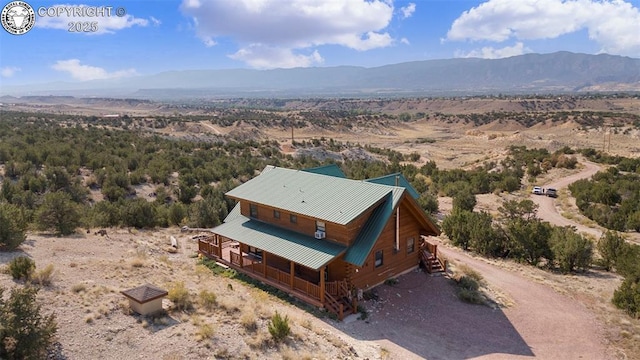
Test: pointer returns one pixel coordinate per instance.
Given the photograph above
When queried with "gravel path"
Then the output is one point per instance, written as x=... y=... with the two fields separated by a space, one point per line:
x=547 y=210
x=422 y=318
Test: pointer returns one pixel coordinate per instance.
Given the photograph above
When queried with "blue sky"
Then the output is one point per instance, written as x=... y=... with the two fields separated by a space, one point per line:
x=157 y=36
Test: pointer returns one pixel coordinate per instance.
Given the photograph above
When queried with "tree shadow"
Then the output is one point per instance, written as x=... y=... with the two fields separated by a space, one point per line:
x=7 y=256
x=423 y=315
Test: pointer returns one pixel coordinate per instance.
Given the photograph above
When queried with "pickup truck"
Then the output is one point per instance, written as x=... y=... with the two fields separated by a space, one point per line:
x=537 y=190
x=551 y=192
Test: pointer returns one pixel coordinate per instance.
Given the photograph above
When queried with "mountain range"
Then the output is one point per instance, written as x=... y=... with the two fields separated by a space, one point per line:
x=561 y=72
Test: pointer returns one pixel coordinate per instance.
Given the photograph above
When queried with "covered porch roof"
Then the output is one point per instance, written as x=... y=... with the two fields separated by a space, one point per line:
x=301 y=249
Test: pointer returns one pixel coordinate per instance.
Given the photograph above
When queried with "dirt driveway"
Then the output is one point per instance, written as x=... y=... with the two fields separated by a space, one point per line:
x=547 y=209
x=422 y=318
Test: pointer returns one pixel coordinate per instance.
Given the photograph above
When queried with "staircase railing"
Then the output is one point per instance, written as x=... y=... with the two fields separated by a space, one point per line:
x=334 y=305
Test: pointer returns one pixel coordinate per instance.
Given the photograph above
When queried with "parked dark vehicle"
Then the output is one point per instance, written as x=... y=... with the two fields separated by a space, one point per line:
x=551 y=192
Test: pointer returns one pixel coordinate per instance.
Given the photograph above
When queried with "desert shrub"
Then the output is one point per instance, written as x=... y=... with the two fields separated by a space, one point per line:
x=180 y=296
x=25 y=333
x=470 y=296
x=12 y=226
x=468 y=283
x=464 y=200
x=207 y=299
x=456 y=227
x=59 y=213
x=610 y=246
x=528 y=240
x=21 y=268
x=248 y=321
x=627 y=297
x=139 y=213
x=571 y=250
x=44 y=277
x=78 y=288
x=428 y=203
x=206 y=331
x=279 y=327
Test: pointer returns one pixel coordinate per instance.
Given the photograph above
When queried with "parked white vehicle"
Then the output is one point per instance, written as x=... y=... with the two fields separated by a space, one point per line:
x=537 y=190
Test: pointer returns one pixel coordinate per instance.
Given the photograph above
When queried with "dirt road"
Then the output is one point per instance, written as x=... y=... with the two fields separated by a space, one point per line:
x=554 y=326
x=547 y=210
x=422 y=318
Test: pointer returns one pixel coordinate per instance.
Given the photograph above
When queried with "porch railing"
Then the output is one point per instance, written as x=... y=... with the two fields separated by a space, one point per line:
x=306 y=287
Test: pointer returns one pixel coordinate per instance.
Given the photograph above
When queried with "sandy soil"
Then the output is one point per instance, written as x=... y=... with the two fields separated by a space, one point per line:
x=94 y=322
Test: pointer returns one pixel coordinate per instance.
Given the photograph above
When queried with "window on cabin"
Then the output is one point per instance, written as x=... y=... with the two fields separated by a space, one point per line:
x=411 y=245
x=293 y=219
x=276 y=214
x=255 y=251
x=253 y=210
x=378 y=262
x=320 y=226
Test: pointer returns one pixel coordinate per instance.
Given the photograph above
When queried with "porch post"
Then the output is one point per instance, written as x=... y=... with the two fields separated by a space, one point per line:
x=264 y=261
x=322 y=285
x=291 y=273
x=240 y=255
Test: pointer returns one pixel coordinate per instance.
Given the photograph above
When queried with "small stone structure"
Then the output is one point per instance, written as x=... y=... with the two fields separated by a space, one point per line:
x=145 y=299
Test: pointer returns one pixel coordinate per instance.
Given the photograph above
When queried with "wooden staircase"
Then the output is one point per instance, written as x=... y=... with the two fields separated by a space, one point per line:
x=336 y=299
x=430 y=260
x=431 y=263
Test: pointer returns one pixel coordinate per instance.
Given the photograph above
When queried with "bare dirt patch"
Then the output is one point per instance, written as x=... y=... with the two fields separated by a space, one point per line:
x=94 y=320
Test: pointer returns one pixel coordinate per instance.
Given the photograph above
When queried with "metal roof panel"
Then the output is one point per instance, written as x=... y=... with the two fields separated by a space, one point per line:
x=327 y=198
x=288 y=244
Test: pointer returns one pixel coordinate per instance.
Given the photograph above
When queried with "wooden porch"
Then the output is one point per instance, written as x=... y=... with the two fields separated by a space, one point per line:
x=268 y=268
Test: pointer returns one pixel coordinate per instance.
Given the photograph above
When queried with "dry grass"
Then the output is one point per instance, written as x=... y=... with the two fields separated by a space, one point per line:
x=206 y=331
x=78 y=288
x=45 y=276
x=249 y=322
x=207 y=299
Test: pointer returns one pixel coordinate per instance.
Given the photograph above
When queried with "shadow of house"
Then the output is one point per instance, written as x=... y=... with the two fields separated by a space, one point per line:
x=423 y=315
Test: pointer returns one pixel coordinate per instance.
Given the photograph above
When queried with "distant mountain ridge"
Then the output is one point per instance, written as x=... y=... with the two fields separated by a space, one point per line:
x=556 y=72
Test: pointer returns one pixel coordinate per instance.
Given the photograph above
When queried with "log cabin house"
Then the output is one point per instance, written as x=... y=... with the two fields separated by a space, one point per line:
x=321 y=237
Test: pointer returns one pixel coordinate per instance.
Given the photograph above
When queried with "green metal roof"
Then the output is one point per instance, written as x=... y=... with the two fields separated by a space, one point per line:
x=322 y=197
x=391 y=181
x=234 y=213
x=299 y=248
x=329 y=170
x=361 y=247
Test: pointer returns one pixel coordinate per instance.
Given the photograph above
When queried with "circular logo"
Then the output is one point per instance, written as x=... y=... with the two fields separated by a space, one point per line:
x=18 y=17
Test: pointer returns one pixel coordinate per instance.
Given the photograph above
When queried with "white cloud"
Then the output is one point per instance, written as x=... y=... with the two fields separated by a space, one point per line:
x=408 y=10
x=613 y=24
x=87 y=72
x=105 y=24
x=9 y=71
x=155 y=21
x=405 y=41
x=289 y=27
x=266 y=57
x=489 y=52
